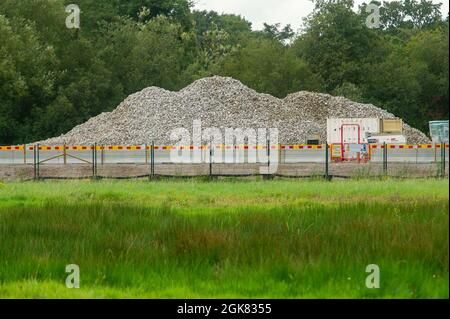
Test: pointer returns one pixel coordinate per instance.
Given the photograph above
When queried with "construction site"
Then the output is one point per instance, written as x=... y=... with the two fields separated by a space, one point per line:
x=225 y=157
x=316 y=135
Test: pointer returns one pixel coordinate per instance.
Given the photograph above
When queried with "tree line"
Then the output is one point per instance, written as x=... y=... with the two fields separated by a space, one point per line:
x=53 y=78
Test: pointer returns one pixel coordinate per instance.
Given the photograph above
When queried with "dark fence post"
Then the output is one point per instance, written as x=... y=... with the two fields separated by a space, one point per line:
x=65 y=154
x=268 y=175
x=150 y=168
x=152 y=160
x=443 y=159
x=94 y=161
x=327 y=172
x=210 y=158
x=268 y=158
x=37 y=162
x=384 y=158
x=34 y=163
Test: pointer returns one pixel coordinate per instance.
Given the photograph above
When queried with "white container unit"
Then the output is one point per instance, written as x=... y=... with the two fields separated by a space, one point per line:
x=387 y=138
x=351 y=130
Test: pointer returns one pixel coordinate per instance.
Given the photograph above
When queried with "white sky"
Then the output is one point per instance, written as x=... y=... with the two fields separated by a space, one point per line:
x=272 y=11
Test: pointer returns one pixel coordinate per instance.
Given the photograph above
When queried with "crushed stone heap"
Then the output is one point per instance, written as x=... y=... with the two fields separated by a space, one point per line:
x=222 y=102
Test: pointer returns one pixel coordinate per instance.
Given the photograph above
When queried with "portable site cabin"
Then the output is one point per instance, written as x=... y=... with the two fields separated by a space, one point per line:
x=350 y=137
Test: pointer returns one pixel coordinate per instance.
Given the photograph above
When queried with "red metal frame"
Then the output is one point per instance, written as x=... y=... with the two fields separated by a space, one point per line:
x=359 y=159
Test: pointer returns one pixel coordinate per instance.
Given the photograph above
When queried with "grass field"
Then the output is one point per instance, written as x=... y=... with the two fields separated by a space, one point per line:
x=224 y=239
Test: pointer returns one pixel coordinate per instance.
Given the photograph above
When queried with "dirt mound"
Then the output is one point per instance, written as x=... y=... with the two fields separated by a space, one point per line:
x=152 y=114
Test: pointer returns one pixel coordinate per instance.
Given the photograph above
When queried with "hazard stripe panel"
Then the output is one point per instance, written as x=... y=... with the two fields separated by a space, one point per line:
x=11 y=148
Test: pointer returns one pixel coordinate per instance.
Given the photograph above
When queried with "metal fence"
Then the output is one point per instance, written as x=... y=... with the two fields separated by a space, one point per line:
x=152 y=161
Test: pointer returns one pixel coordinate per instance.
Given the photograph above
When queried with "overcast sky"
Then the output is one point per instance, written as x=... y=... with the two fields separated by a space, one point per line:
x=271 y=11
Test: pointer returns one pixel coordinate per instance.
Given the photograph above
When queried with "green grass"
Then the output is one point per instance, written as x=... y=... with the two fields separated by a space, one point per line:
x=224 y=239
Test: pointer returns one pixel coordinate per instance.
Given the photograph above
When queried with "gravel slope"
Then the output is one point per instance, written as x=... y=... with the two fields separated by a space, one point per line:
x=153 y=113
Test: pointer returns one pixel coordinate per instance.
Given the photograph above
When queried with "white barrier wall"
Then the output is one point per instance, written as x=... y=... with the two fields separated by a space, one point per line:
x=286 y=154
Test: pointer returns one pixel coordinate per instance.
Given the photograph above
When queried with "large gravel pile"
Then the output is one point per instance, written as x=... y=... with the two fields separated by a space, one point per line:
x=153 y=113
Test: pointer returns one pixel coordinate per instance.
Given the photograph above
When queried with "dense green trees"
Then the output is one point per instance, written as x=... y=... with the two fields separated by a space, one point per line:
x=337 y=45
x=28 y=74
x=267 y=66
x=402 y=67
x=52 y=78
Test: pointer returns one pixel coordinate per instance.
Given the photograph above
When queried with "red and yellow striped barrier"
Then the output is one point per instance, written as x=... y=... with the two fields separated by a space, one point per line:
x=11 y=148
x=408 y=146
x=203 y=147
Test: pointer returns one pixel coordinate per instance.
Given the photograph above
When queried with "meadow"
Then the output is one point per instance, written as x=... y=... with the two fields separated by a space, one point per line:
x=224 y=239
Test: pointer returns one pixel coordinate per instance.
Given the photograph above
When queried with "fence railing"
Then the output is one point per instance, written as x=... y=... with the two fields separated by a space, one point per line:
x=133 y=161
